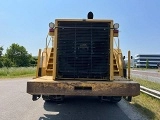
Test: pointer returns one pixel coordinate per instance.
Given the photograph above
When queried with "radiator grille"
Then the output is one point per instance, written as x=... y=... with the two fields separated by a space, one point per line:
x=83 y=50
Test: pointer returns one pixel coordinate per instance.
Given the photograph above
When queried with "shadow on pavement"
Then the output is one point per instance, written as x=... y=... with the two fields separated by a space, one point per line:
x=146 y=111
x=82 y=108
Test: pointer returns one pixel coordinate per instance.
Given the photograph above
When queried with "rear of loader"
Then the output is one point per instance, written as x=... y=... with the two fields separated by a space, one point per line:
x=82 y=62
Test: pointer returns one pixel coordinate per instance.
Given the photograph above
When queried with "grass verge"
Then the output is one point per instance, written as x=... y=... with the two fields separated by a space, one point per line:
x=148 y=105
x=148 y=84
x=17 y=72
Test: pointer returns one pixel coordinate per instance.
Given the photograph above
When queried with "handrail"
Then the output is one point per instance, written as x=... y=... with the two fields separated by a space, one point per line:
x=49 y=41
x=47 y=45
x=118 y=57
x=46 y=50
x=115 y=43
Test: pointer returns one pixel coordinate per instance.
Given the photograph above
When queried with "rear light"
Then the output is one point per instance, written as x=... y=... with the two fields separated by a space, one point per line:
x=115 y=33
x=51 y=30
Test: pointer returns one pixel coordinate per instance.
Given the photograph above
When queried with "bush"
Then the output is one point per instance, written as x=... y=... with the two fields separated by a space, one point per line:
x=17 y=71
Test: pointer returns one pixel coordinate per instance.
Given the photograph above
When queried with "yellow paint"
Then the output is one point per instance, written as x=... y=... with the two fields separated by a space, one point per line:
x=117 y=53
x=115 y=34
x=129 y=63
x=117 y=56
x=51 y=33
x=111 y=52
x=117 y=83
x=55 y=52
x=38 y=62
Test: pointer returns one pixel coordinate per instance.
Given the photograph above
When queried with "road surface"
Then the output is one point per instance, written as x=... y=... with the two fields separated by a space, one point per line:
x=16 y=104
x=151 y=75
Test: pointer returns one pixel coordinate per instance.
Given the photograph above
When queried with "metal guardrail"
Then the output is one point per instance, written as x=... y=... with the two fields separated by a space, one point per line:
x=153 y=93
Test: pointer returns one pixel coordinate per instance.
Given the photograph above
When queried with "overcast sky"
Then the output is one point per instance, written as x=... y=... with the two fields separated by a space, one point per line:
x=26 y=21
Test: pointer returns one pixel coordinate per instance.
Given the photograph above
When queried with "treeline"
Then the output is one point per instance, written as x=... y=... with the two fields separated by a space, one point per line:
x=16 y=56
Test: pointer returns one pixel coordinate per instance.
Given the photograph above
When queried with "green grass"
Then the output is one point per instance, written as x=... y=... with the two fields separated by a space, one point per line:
x=148 y=84
x=17 y=72
x=147 y=105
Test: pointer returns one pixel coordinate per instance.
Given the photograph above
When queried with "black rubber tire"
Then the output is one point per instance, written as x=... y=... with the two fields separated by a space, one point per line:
x=115 y=99
x=48 y=101
x=46 y=98
x=129 y=98
x=111 y=99
x=49 y=98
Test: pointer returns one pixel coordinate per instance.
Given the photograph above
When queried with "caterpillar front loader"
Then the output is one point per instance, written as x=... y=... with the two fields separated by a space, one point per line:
x=82 y=61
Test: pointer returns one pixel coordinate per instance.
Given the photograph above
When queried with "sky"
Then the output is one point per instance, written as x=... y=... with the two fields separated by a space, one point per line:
x=25 y=22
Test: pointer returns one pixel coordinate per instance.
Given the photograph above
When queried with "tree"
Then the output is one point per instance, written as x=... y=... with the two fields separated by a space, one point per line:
x=1 y=62
x=1 y=50
x=33 y=61
x=18 y=55
x=7 y=62
x=147 y=64
x=1 y=59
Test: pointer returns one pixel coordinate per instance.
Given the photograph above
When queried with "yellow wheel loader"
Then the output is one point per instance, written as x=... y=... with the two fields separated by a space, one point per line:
x=81 y=58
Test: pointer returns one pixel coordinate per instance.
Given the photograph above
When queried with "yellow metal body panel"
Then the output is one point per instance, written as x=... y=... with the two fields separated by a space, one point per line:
x=48 y=85
x=55 y=52
x=115 y=34
x=111 y=52
x=129 y=64
x=45 y=55
x=117 y=53
x=51 y=33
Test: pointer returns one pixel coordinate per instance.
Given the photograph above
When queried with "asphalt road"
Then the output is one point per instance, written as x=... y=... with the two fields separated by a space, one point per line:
x=16 y=104
x=150 y=75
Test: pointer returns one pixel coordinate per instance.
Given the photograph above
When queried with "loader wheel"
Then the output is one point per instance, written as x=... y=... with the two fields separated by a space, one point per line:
x=116 y=99
x=46 y=98
x=53 y=98
x=104 y=98
x=111 y=99
x=128 y=98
